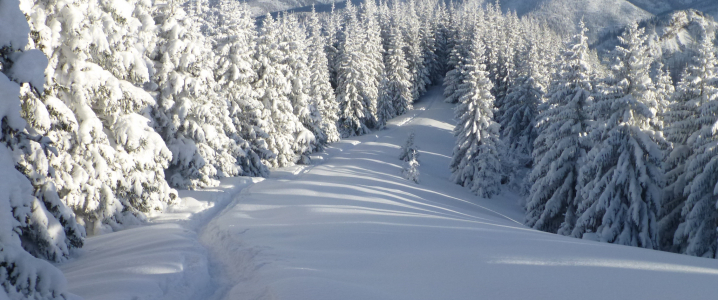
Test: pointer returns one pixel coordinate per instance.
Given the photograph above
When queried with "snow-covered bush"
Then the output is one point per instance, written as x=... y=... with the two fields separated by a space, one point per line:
x=409 y=154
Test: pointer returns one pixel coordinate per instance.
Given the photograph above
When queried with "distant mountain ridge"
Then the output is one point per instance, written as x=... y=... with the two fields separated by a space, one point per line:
x=262 y=7
x=603 y=16
x=658 y=7
x=674 y=36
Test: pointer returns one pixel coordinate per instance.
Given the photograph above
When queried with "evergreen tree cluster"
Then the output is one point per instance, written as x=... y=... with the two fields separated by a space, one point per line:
x=108 y=106
x=611 y=151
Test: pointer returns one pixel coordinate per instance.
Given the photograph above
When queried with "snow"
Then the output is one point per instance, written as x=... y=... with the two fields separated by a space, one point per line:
x=164 y=260
x=350 y=227
x=29 y=66
x=15 y=28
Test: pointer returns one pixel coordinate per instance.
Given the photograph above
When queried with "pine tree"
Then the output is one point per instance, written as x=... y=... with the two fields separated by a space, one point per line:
x=111 y=162
x=557 y=151
x=396 y=91
x=30 y=210
x=475 y=163
x=273 y=87
x=521 y=108
x=350 y=78
x=320 y=89
x=372 y=60
x=694 y=117
x=233 y=43
x=622 y=178
x=293 y=46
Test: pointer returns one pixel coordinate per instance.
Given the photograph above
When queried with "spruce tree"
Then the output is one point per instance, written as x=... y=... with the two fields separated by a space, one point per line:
x=475 y=163
x=396 y=92
x=622 y=179
x=110 y=161
x=409 y=154
x=557 y=151
x=320 y=89
x=695 y=116
x=32 y=217
x=521 y=108
x=273 y=88
x=233 y=44
x=372 y=65
x=350 y=79
x=296 y=70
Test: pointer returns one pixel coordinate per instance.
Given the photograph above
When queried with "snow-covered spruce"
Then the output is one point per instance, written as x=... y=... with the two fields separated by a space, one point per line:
x=352 y=109
x=111 y=163
x=622 y=178
x=32 y=217
x=233 y=41
x=557 y=151
x=372 y=58
x=293 y=45
x=320 y=89
x=395 y=97
x=413 y=51
x=276 y=117
x=409 y=154
x=696 y=233
x=189 y=114
x=521 y=109
x=464 y=31
x=475 y=163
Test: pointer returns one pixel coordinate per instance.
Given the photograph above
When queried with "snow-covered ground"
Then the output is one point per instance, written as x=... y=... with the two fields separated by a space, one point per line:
x=350 y=227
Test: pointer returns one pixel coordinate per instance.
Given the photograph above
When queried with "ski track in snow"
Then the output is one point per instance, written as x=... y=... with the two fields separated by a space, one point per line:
x=160 y=260
x=350 y=227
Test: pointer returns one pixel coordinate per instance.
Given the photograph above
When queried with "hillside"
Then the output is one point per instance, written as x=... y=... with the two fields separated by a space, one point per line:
x=675 y=36
x=562 y=16
x=657 y=7
x=261 y=7
x=603 y=17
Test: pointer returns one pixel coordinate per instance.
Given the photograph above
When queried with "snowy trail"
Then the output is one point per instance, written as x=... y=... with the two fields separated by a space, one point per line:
x=161 y=260
x=352 y=228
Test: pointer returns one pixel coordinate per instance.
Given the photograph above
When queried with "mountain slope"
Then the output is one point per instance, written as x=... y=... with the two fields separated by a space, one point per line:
x=262 y=7
x=562 y=16
x=675 y=36
x=656 y=7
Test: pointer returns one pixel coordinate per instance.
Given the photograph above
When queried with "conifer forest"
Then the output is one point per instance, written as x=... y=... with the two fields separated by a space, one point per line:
x=118 y=113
